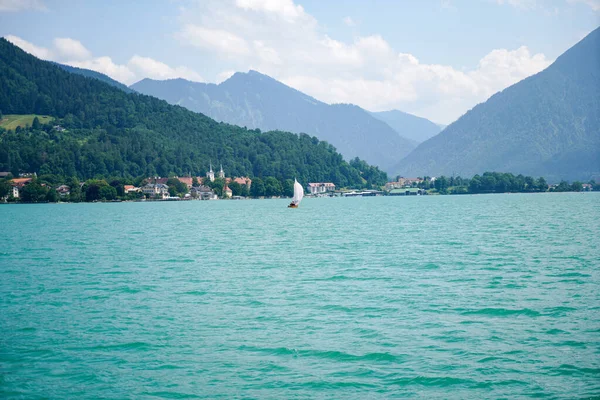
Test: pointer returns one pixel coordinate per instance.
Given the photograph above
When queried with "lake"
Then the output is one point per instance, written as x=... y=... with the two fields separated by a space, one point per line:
x=482 y=296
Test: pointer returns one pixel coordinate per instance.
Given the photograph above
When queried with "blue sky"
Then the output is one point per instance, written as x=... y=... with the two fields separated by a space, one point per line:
x=433 y=58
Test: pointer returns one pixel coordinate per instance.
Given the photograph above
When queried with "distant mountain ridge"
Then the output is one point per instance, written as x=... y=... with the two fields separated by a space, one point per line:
x=255 y=101
x=546 y=125
x=409 y=126
x=88 y=73
x=109 y=133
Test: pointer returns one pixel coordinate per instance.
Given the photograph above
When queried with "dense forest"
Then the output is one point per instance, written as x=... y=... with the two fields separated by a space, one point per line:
x=106 y=132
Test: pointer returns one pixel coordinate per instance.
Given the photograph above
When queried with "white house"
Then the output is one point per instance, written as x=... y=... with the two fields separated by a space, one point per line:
x=156 y=190
x=320 y=187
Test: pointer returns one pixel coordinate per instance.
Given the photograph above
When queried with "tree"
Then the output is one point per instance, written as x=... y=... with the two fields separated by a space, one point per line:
x=36 y=124
x=258 y=188
x=441 y=184
x=195 y=182
x=288 y=188
x=272 y=187
x=74 y=189
x=475 y=184
x=118 y=185
x=541 y=185
x=108 y=193
x=33 y=193
x=52 y=196
x=176 y=187
x=5 y=188
x=236 y=188
x=244 y=191
x=92 y=189
x=577 y=186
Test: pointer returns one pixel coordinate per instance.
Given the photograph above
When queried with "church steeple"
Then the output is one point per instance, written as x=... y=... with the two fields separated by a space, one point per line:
x=210 y=174
x=221 y=172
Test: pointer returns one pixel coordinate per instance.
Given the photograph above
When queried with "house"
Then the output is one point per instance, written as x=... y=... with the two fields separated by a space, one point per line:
x=157 y=180
x=203 y=193
x=188 y=181
x=586 y=187
x=402 y=183
x=156 y=190
x=320 y=187
x=227 y=193
x=63 y=190
x=131 y=189
x=58 y=128
x=244 y=181
x=4 y=174
x=17 y=184
x=20 y=182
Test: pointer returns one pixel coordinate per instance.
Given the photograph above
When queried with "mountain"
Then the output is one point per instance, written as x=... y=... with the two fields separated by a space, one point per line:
x=409 y=126
x=258 y=101
x=107 y=132
x=95 y=75
x=546 y=125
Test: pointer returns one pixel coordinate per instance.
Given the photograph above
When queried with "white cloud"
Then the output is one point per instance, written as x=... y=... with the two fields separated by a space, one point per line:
x=285 y=9
x=594 y=4
x=39 y=52
x=349 y=21
x=106 y=66
x=21 y=5
x=218 y=40
x=71 y=49
x=150 y=68
x=72 y=52
x=280 y=39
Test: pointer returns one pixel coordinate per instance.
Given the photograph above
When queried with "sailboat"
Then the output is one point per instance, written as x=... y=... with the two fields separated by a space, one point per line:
x=298 y=195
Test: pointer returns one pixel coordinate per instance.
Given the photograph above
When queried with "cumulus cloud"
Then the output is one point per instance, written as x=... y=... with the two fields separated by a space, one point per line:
x=150 y=68
x=218 y=40
x=281 y=39
x=72 y=52
x=285 y=9
x=39 y=52
x=71 y=49
x=21 y=5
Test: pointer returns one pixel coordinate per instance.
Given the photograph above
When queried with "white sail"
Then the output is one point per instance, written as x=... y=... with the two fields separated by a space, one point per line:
x=298 y=192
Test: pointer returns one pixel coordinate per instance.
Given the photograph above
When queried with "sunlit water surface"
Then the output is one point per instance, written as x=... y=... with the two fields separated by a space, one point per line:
x=425 y=297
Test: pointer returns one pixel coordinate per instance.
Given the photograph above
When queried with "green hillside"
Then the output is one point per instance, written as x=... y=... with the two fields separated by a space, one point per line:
x=113 y=133
x=12 y=121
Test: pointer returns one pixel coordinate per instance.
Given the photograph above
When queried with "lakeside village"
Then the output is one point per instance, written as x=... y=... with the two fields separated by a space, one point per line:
x=28 y=188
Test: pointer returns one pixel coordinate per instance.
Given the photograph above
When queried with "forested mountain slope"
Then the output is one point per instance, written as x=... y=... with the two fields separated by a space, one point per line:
x=113 y=133
x=255 y=100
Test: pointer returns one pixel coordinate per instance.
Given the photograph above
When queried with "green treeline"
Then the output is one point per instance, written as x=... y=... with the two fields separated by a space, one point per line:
x=498 y=182
x=100 y=131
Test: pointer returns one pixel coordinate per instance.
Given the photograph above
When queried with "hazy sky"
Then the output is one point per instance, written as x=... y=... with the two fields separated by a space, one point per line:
x=433 y=58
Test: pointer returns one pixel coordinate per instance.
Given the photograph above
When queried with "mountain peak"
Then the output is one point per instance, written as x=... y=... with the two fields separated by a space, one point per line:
x=546 y=125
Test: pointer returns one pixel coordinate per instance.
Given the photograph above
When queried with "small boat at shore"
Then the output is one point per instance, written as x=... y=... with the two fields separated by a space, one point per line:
x=298 y=195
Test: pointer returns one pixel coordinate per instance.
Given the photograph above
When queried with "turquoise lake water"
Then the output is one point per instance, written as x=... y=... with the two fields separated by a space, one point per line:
x=489 y=296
